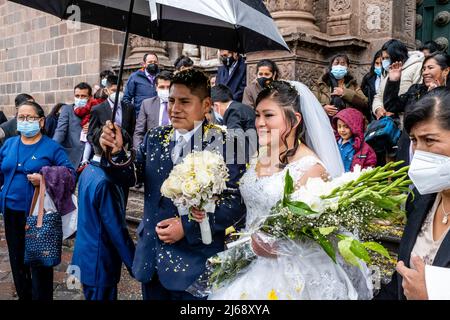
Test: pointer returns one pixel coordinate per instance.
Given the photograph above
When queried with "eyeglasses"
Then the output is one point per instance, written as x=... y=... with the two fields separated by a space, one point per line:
x=27 y=118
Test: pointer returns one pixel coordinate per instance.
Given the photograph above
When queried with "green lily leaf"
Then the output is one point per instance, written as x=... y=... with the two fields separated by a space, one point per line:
x=288 y=187
x=325 y=244
x=360 y=251
x=298 y=207
x=378 y=248
x=345 y=251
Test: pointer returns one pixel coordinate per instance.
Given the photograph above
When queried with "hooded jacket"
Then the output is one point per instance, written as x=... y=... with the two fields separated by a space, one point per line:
x=364 y=154
x=411 y=74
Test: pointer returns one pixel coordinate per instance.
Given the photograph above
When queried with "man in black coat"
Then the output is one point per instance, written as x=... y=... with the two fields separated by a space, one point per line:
x=125 y=116
x=232 y=73
x=2 y=117
x=238 y=118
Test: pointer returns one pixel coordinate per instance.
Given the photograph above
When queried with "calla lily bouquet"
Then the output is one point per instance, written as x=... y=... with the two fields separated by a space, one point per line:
x=335 y=214
x=327 y=212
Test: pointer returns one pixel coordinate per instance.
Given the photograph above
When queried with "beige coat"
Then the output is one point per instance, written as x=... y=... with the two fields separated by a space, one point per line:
x=411 y=74
x=353 y=95
x=251 y=93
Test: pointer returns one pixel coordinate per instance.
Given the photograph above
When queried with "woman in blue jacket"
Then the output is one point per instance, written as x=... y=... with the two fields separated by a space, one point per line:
x=21 y=159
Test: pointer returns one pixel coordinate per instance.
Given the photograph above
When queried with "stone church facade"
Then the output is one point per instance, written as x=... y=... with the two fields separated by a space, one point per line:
x=46 y=57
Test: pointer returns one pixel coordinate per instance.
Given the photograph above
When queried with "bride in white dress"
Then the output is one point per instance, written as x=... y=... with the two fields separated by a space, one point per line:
x=296 y=135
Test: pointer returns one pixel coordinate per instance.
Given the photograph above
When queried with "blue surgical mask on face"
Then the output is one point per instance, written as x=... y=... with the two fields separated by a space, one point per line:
x=339 y=72
x=80 y=102
x=104 y=82
x=386 y=64
x=28 y=128
x=377 y=71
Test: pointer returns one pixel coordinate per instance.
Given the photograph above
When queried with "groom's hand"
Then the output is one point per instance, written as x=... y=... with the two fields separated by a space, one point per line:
x=111 y=138
x=170 y=230
x=198 y=215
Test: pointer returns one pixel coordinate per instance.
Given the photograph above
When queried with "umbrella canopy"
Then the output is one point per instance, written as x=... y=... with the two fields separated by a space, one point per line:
x=105 y=13
x=238 y=25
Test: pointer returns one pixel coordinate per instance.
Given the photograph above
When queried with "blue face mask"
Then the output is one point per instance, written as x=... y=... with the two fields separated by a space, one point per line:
x=104 y=82
x=386 y=64
x=339 y=72
x=80 y=102
x=28 y=128
x=377 y=71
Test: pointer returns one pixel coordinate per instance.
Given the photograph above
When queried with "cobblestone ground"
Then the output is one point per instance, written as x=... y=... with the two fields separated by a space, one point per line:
x=129 y=289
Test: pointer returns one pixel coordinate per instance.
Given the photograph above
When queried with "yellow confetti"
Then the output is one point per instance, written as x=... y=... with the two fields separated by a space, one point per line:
x=272 y=295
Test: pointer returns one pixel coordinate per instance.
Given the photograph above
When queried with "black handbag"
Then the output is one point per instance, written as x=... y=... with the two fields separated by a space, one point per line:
x=43 y=233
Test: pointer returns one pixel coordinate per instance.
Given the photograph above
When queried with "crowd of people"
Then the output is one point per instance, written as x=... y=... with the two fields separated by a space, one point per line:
x=400 y=111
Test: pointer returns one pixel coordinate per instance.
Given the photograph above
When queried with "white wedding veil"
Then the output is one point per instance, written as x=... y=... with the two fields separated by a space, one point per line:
x=319 y=134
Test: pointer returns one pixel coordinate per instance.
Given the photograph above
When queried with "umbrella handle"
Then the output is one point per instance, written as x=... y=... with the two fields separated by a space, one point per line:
x=120 y=165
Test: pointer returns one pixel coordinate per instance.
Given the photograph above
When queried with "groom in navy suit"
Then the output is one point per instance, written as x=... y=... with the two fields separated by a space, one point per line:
x=170 y=254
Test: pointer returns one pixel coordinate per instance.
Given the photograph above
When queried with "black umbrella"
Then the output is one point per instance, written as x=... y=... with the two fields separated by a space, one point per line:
x=237 y=25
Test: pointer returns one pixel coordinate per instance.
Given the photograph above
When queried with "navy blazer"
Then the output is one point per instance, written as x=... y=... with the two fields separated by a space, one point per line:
x=236 y=81
x=138 y=89
x=417 y=211
x=102 y=240
x=178 y=265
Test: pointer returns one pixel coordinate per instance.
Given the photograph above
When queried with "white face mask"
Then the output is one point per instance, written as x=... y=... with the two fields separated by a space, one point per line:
x=112 y=97
x=430 y=172
x=163 y=95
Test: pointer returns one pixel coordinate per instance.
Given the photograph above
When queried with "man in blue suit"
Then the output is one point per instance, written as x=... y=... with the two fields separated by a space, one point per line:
x=102 y=241
x=170 y=255
x=232 y=73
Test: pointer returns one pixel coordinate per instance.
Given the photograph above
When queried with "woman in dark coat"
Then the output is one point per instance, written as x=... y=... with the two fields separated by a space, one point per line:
x=371 y=83
x=423 y=268
x=51 y=122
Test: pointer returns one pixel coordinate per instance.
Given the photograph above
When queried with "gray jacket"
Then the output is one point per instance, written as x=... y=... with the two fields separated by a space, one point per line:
x=67 y=134
x=148 y=118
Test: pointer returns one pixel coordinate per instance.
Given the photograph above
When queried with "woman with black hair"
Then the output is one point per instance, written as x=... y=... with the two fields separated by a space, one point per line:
x=337 y=89
x=294 y=136
x=423 y=268
x=266 y=72
x=21 y=160
x=183 y=63
x=51 y=121
x=395 y=51
x=371 y=82
x=435 y=73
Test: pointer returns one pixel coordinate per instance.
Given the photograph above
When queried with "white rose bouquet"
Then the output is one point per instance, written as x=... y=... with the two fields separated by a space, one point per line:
x=195 y=183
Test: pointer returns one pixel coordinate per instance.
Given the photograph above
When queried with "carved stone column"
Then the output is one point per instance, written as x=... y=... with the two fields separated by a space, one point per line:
x=192 y=51
x=339 y=17
x=140 y=46
x=293 y=14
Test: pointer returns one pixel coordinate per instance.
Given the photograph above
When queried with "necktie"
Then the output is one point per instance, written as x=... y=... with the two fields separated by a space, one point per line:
x=177 y=150
x=165 y=116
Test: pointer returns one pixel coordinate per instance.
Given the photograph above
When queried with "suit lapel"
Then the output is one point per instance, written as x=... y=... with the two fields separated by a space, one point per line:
x=415 y=222
x=108 y=110
x=154 y=112
x=167 y=145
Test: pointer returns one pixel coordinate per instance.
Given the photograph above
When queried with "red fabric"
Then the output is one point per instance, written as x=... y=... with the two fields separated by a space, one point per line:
x=365 y=156
x=85 y=112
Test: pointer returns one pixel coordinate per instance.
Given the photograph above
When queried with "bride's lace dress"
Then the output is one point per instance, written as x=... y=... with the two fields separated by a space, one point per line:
x=302 y=270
